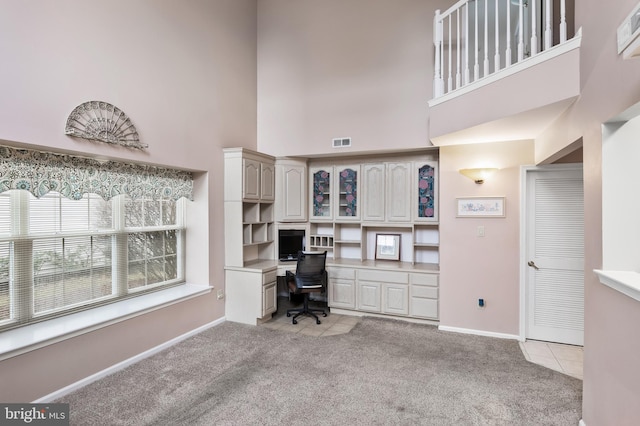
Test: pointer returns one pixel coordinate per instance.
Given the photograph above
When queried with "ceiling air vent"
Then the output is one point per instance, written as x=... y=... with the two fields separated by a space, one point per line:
x=341 y=142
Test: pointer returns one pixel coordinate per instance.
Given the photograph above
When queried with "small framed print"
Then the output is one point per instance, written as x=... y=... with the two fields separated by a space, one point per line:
x=387 y=246
x=480 y=207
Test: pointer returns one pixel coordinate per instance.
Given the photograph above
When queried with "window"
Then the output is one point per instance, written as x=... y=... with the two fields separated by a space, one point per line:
x=58 y=256
x=77 y=232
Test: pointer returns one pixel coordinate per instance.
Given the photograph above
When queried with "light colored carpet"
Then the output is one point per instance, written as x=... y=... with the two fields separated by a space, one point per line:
x=383 y=372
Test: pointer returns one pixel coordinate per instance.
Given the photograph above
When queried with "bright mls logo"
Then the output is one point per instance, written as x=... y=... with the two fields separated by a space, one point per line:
x=34 y=414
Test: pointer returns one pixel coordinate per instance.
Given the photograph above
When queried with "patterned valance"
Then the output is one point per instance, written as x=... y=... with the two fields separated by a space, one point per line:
x=71 y=176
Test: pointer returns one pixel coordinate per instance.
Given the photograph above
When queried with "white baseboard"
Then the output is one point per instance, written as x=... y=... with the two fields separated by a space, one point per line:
x=479 y=332
x=124 y=364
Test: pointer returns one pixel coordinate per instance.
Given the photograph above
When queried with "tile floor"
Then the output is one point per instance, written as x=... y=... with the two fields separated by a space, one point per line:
x=566 y=359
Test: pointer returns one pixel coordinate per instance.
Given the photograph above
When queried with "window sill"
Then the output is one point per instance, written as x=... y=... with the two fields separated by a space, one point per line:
x=626 y=282
x=31 y=337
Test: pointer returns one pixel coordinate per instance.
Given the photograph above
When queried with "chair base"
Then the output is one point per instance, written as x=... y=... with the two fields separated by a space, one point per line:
x=305 y=310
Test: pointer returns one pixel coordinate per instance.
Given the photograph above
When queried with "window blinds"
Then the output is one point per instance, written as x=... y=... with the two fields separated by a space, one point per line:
x=64 y=252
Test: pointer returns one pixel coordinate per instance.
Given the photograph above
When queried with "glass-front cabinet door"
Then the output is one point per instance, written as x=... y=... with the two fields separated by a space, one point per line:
x=348 y=190
x=321 y=186
x=426 y=191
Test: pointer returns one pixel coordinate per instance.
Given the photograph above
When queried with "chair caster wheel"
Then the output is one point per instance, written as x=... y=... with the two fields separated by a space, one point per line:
x=295 y=322
x=317 y=321
x=288 y=314
x=324 y=314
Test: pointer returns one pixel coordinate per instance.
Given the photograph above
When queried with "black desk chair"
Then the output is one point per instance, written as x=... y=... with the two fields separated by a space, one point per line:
x=310 y=277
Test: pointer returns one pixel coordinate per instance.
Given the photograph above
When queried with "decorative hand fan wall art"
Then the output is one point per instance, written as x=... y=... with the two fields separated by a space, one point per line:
x=103 y=122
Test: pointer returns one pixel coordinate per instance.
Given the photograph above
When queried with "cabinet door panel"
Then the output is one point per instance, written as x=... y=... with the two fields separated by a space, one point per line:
x=251 y=184
x=369 y=296
x=398 y=207
x=269 y=299
x=347 y=194
x=373 y=192
x=267 y=181
x=396 y=299
x=293 y=196
x=424 y=308
x=425 y=193
x=321 y=192
x=342 y=293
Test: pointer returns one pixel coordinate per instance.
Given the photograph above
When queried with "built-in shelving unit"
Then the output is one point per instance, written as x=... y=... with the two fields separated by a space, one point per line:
x=397 y=196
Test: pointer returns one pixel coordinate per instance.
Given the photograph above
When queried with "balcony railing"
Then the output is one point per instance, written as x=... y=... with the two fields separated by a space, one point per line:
x=477 y=38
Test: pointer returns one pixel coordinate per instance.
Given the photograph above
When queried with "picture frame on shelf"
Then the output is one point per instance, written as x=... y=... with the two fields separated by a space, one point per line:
x=387 y=246
x=480 y=207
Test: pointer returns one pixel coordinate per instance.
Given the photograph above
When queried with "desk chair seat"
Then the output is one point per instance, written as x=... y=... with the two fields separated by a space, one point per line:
x=310 y=277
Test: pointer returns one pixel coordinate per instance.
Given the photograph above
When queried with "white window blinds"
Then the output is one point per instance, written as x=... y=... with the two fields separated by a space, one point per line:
x=61 y=254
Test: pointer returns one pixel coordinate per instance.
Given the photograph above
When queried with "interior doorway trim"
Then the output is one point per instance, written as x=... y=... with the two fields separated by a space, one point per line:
x=524 y=171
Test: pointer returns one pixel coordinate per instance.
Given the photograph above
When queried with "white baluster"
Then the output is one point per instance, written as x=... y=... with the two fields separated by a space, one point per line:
x=563 y=22
x=476 y=65
x=486 y=38
x=437 y=42
x=458 y=48
x=496 y=58
x=521 y=32
x=548 y=31
x=450 y=79
x=507 y=53
x=467 y=71
x=534 y=31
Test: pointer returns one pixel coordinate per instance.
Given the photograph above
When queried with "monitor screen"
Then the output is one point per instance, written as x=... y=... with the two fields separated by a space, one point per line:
x=290 y=242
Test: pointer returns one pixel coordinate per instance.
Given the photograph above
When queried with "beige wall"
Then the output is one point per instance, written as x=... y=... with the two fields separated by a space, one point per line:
x=344 y=68
x=473 y=267
x=609 y=86
x=185 y=72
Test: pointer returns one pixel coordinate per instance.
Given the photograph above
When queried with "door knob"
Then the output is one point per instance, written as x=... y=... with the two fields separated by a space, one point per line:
x=533 y=265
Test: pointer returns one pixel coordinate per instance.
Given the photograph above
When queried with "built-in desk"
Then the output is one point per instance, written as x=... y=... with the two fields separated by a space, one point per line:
x=398 y=289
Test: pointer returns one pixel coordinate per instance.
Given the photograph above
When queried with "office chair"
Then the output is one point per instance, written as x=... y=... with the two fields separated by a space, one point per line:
x=310 y=277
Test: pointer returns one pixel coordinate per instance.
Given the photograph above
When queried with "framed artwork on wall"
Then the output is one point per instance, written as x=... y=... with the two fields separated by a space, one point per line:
x=387 y=246
x=480 y=207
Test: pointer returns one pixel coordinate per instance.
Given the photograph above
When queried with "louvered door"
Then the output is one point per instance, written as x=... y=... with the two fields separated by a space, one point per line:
x=555 y=249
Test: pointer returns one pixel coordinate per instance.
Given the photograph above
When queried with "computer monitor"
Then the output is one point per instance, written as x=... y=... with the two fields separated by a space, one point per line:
x=290 y=242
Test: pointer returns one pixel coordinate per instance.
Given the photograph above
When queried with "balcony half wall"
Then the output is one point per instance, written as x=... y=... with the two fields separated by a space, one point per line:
x=516 y=103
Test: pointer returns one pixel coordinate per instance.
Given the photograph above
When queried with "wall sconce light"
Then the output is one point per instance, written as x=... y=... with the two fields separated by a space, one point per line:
x=478 y=175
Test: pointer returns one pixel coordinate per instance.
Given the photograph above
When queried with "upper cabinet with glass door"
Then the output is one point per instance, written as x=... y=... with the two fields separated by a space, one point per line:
x=425 y=205
x=347 y=192
x=320 y=191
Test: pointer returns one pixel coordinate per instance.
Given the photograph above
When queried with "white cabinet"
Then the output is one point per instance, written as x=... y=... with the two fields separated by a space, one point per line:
x=251 y=294
x=423 y=295
x=402 y=293
x=334 y=192
x=258 y=179
x=291 y=191
x=384 y=291
x=387 y=192
x=342 y=288
x=249 y=190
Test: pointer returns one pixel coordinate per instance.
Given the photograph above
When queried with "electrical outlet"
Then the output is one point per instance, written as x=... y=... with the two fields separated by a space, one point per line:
x=220 y=294
x=480 y=231
x=481 y=303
